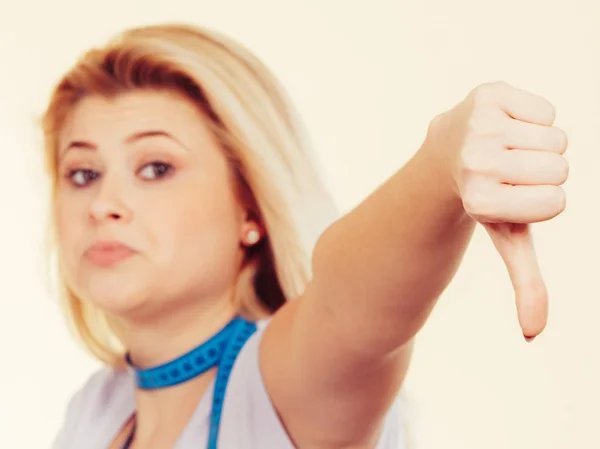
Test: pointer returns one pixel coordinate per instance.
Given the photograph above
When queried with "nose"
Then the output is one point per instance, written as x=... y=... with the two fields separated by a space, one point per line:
x=109 y=203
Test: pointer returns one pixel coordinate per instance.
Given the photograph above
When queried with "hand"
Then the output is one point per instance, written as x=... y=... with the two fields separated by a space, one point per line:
x=507 y=167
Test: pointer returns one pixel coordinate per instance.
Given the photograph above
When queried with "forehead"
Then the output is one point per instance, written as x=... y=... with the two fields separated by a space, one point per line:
x=111 y=120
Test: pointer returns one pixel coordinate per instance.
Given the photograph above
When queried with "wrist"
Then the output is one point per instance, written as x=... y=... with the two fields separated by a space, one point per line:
x=438 y=159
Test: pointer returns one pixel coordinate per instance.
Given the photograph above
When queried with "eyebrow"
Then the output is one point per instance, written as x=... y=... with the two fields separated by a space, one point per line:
x=85 y=145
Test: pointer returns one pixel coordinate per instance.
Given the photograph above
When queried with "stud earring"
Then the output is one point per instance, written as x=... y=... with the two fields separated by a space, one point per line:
x=252 y=237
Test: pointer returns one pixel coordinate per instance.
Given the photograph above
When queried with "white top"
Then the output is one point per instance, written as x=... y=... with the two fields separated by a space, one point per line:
x=97 y=413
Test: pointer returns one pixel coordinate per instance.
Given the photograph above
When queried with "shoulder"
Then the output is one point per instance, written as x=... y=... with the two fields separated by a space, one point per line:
x=107 y=393
x=250 y=411
x=249 y=419
x=104 y=389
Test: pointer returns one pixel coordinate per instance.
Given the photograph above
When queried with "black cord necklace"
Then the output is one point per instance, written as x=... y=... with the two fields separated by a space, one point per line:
x=129 y=440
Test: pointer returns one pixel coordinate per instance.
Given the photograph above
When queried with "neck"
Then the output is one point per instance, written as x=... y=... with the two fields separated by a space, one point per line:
x=154 y=342
x=162 y=415
x=175 y=332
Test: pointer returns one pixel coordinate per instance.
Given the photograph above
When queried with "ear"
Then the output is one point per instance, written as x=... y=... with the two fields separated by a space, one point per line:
x=252 y=233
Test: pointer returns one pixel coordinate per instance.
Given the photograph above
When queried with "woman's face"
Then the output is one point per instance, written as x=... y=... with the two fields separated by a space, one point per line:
x=146 y=209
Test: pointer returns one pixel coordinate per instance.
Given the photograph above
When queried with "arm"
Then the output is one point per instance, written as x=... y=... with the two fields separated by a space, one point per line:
x=334 y=360
x=392 y=257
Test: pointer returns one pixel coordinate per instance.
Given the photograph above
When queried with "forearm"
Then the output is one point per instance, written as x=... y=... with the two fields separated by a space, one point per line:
x=381 y=268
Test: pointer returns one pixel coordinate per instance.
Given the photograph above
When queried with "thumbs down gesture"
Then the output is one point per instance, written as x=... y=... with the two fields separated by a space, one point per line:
x=507 y=164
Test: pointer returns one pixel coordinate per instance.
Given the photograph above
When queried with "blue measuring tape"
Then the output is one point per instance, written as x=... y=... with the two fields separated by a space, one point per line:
x=220 y=351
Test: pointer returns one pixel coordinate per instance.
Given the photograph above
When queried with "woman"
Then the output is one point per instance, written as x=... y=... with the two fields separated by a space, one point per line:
x=185 y=207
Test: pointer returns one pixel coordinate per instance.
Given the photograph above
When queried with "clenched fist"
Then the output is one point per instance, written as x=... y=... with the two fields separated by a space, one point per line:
x=507 y=166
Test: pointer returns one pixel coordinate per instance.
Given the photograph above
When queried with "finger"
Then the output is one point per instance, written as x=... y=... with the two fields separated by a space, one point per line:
x=526 y=167
x=505 y=203
x=528 y=136
x=515 y=245
x=523 y=105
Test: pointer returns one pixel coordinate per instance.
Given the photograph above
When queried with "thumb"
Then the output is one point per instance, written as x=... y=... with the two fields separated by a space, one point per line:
x=515 y=245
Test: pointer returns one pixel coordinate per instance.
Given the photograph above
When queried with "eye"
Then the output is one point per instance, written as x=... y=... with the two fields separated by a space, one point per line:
x=155 y=170
x=82 y=177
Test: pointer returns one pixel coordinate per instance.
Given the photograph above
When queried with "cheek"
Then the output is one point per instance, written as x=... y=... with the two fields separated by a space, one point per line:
x=69 y=237
x=69 y=219
x=196 y=243
x=201 y=224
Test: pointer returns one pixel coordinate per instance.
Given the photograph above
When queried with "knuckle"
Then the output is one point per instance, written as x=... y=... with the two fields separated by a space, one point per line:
x=551 y=112
x=562 y=140
x=471 y=204
x=477 y=204
x=436 y=125
x=474 y=126
x=490 y=90
x=484 y=94
x=545 y=112
x=481 y=125
x=563 y=170
x=495 y=85
x=535 y=288
x=499 y=84
x=559 y=200
x=474 y=162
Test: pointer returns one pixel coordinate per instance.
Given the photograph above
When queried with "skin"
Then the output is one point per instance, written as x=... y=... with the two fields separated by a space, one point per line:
x=187 y=227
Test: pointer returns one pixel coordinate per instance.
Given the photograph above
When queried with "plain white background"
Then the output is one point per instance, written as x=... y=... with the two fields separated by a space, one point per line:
x=367 y=80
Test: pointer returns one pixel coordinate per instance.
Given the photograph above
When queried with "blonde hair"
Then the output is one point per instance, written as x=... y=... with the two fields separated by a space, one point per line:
x=257 y=129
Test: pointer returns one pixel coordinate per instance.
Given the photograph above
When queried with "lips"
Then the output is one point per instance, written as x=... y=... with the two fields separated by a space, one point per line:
x=108 y=253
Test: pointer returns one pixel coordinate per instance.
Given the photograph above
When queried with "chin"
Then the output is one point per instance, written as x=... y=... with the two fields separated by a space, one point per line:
x=114 y=294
